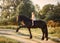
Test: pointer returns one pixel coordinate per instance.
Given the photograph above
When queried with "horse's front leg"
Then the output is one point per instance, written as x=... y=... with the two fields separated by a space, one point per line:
x=18 y=29
x=30 y=33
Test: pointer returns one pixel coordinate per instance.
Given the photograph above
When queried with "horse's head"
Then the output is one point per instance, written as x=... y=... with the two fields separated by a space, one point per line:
x=24 y=19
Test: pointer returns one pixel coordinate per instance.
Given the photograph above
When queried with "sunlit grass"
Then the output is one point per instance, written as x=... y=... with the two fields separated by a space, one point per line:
x=8 y=27
x=35 y=32
x=55 y=32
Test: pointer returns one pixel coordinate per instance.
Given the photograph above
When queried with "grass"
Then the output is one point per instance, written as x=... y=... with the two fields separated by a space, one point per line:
x=36 y=30
x=52 y=31
x=8 y=27
x=55 y=32
x=7 y=40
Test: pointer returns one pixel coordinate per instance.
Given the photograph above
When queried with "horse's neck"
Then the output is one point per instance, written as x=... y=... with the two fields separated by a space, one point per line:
x=27 y=21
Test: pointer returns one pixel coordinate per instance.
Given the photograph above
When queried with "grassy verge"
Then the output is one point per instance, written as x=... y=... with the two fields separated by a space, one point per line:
x=7 y=40
x=8 y=27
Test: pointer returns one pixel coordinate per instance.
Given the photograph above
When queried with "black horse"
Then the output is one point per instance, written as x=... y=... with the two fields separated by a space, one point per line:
x=37 y=24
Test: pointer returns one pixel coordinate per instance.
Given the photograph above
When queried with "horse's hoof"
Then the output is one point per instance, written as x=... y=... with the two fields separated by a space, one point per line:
x=16 y=31
x=31 y=37
x=42 y=39
x=47 y=39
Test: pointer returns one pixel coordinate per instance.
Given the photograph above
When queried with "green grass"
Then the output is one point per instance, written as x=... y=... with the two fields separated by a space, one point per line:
x=7 y=40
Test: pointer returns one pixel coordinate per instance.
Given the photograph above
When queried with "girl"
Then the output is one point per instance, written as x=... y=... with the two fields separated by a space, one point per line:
x=33 y=18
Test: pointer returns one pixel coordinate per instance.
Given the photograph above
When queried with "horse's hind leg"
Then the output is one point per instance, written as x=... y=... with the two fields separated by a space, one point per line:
x=30 y=33
x=18 y=27
x=42 y=34
x=46 y=33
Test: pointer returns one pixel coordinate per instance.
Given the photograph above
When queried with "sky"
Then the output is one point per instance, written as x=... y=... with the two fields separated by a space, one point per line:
x=41 y=3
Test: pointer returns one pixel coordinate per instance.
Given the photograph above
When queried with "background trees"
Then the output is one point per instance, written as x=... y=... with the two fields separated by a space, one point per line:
x=51 y=12
x=26 y=8
x=9 y=9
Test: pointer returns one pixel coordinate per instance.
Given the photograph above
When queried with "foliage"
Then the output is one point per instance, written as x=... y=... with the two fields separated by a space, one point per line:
x=51 y=12
x=47 y=8
x=27 y=8
x=14 y=8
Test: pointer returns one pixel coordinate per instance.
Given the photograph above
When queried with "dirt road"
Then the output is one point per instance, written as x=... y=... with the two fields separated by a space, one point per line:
x=22 y=37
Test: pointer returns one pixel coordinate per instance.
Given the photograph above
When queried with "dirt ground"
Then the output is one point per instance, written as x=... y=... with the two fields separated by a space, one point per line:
x=22 y=37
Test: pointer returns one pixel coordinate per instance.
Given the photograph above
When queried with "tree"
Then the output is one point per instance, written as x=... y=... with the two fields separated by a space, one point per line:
x=26 y=8
x=47 y=8
x=12 y=8
x=52 y=12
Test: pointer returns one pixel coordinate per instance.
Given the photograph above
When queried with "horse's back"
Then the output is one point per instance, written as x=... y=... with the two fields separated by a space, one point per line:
x=39 y=23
